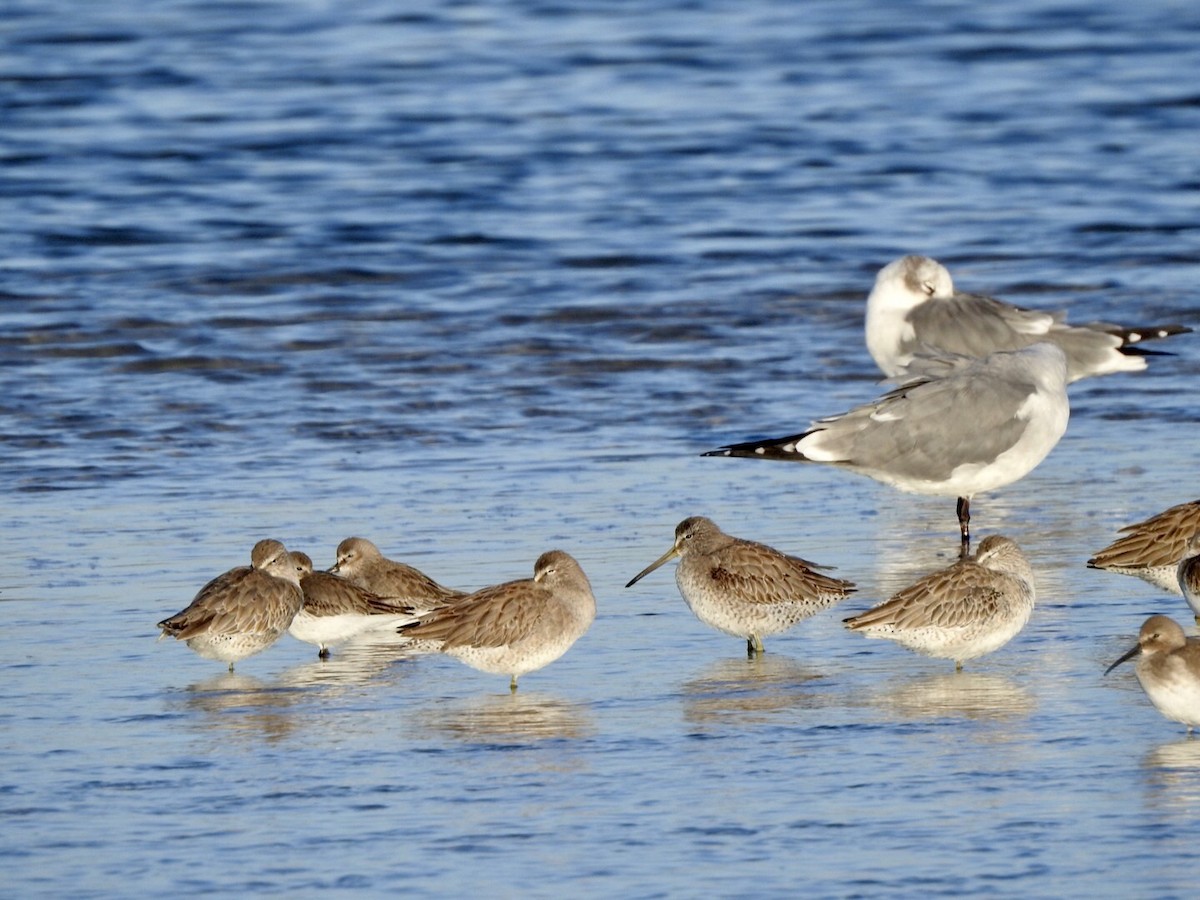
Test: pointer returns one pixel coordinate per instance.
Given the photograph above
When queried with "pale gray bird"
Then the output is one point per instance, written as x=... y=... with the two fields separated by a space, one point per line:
x=955 y=427
x=914 y=309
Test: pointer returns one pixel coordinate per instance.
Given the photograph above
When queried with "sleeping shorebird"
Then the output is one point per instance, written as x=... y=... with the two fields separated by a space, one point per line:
x=955 y=427
x=914 y=309
x=1152 y=549
x=743 y=588
x=515 y=627
x=360 y=562
x=336 y=610
x=969 y=609
x=244 y=611
x=1168 y=669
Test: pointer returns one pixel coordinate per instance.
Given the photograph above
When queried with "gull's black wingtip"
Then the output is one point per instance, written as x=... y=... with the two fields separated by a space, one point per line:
x=720 y=451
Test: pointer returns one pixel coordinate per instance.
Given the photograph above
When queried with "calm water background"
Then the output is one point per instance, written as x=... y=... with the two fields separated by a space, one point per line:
x=480 y=280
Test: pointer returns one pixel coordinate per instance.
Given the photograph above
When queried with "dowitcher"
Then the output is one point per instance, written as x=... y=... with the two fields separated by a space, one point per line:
x=244 y=611
x=969 y=609
x=958 y=427
x=1188 y=574
x=1168 y=669
x=914 y=309
x=360 y=562
x=515 y=627
x=743 y=588
x=1152 y=550
x=336 y=610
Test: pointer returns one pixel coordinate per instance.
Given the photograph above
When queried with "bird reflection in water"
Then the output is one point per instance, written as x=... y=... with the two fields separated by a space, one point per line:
x=1173 y=774
x=243 y=706
x=509 y=717
x=973 y=695
x=747 y=690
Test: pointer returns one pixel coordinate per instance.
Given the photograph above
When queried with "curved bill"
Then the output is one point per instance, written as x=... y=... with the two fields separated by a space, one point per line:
x=666 y=557
x=1133 y=651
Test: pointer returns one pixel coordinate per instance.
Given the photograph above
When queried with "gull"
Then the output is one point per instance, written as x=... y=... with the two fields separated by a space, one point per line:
x=1152 y=549
x=515 y=627
x=969 y=609
x=244 y=611
x=744 y=588
x=1168 y=669
x=954 y=427
x=914 y=309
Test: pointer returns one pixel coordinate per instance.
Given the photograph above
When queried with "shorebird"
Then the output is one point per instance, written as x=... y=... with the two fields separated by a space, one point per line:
x=1168 y=669
x=1189 y=576
x=743 y=588
x=515 y=627
x=969 y=609
x=360 y=562
x=244 y=611
x=954 y=427
x=336 y=610
x=913 y=309
x=1152 y=550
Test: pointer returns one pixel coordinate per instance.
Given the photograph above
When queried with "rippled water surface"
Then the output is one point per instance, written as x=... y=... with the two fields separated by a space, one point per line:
x=479 y=280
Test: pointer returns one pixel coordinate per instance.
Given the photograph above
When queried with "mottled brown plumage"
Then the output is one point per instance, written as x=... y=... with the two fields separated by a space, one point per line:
x=243 y=611
x=518 y=626
x=336 y=610
x=360 y=562
x=1151 y=550
x=743 y=588
x=971 y=608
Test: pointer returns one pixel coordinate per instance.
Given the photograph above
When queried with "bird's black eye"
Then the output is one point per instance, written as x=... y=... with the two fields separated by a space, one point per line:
x=927 y=287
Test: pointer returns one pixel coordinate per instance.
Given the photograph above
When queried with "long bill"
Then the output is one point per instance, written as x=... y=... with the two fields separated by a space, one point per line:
x=1133 y=651
x=665 y=558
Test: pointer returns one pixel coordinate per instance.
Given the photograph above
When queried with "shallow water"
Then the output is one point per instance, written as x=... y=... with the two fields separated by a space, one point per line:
x=476 y=281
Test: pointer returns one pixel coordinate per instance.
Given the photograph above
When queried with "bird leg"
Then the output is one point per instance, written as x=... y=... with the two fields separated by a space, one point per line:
x=512 y=685
x=754 y=646
x=964 y=524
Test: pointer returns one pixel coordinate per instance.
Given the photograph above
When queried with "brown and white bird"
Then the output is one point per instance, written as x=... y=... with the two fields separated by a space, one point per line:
x=337 y=610
x=1168 y=669
x=969 y=609
x=1152 y=549
x=1189 y=576
x=914 y=309
x=515 y=627
x=244 y=611
x=743 y=588
x=360 y=562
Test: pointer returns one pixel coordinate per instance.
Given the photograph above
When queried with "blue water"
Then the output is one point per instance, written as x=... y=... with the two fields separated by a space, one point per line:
x=480 y=280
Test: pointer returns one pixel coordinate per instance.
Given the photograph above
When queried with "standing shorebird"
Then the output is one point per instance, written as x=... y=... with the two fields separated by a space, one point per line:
x=964 y=611
x=742 y=588
x=956 y=428
x=914 y=309
x=360 y=562
x=1152 y=550
x=1168 y=669
x=1189 y=576
x=244 y=611
x=515 y=627
x=336 y=610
